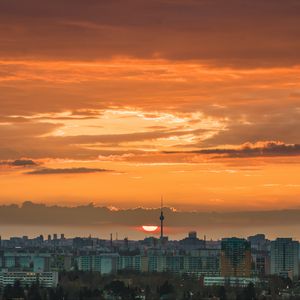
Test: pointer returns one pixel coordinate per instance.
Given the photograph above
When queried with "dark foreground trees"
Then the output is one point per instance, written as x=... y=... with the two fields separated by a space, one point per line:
x=130 y=285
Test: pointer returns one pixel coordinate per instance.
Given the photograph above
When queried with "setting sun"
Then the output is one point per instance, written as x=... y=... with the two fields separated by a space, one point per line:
x=149 y=228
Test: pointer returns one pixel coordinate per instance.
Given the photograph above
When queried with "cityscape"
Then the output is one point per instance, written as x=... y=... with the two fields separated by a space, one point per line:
x=268 y=267
x=149 y=149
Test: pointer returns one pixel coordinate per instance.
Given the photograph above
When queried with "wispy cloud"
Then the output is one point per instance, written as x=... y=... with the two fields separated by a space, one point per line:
x=49 y=171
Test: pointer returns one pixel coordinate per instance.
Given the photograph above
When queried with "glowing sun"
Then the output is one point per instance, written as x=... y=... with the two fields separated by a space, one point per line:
x=149 y=228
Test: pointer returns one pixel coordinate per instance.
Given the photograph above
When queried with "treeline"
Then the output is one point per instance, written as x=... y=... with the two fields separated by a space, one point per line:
x=129 y=285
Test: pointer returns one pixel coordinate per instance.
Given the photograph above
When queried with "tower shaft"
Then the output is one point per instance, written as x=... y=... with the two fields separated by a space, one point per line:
x=161 y=220
x=161 y=230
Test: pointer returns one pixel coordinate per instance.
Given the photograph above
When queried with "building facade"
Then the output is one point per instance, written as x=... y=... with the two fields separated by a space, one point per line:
x=45 y=279
x=235 y=257
x=285 y=257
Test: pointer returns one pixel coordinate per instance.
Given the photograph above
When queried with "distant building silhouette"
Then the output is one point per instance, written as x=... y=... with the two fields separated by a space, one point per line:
x=192 y=242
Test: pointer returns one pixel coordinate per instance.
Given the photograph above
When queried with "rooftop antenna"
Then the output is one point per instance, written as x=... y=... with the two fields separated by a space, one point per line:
x=161 y=219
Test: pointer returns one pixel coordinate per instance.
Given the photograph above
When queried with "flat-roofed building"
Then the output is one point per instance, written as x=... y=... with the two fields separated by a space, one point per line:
x=203 y=262
x=45 y=279
x=230 y=281
x=285 y=257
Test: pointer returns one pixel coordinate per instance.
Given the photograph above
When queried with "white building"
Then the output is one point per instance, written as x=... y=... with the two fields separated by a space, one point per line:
x=45 y=279
x=230 y=281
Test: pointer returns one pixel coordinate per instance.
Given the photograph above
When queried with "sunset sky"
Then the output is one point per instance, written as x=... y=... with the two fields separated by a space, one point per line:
x=119 y=102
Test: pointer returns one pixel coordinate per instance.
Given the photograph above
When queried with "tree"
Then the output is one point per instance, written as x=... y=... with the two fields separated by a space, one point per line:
x=249 y=292
x=166 y=289
x=222 y=293
x=7 y=292
x=34 y=292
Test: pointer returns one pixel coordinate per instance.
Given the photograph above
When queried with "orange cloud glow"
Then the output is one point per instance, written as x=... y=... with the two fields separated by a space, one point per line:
x=197 y=102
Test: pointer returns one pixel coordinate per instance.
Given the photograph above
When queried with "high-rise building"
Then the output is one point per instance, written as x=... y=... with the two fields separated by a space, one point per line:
x=192 y=242
x=203 y=262
x=104 y=263
x=84 y=263
x=41 y=263
x=157 y=263
x=192 y=235
x=175 y=263
x=260 y=262
x=285 y=257
x=235 y=257
x=259 y=242
x=137 y=263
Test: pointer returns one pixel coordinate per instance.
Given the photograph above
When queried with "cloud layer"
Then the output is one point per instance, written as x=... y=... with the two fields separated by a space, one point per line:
x=195 y=99
x=38 y=214
x=234 y=32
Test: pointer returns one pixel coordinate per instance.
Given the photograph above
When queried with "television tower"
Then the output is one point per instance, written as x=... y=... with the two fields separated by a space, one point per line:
x=161 y=219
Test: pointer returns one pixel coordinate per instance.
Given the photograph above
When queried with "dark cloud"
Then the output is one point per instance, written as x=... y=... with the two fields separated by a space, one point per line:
x=260 y=149
x=49 y=171
x=234 y=32
x=40 y=214
x=19 y=163
x=23 y=162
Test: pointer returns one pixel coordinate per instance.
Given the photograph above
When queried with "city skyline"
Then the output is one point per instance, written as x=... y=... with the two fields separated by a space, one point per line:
x=136 y=223
x=255 y=265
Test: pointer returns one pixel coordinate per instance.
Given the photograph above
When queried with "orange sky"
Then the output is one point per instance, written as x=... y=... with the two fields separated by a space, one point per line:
x=119 y=102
